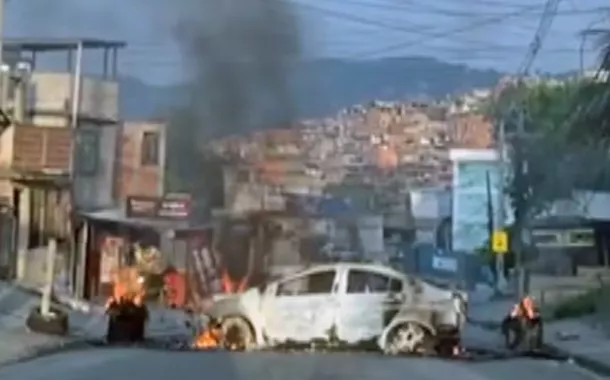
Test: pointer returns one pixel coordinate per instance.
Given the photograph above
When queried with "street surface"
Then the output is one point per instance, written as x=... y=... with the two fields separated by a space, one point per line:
x=15 y=305
x=118 y=364
x=125 y=364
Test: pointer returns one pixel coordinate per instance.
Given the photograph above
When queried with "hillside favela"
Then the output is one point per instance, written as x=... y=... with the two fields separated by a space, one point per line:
x=294 y=189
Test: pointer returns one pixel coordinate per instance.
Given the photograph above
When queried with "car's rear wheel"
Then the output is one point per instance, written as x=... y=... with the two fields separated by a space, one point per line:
x=408 y=338
x=237 y=334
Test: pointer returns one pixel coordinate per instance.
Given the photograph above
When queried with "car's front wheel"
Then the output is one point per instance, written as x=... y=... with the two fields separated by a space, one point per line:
x=408 y=338
x=237 y=334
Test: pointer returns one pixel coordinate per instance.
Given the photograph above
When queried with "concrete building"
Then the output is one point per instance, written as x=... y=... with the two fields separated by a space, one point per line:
x=54 y=151
x=430 y=207
x=472 y=169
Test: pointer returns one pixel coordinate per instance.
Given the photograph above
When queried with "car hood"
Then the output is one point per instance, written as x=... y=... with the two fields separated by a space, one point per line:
x=434 y=293
x=242 y=303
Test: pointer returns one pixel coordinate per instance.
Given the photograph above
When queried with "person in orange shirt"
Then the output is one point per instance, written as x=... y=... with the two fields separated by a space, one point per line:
x=523 y=321
x=174 y=287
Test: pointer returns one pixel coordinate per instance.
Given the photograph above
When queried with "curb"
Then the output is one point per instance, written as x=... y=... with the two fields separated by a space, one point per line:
x=593 y=365
x=47 y=350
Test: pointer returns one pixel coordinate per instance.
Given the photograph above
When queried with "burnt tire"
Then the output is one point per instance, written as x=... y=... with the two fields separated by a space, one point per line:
x=126 y=323
x=54 y=324
x=237 y=334
x=409 y=338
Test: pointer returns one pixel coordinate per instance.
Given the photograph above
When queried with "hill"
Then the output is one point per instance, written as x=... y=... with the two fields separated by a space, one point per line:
x=322 y=87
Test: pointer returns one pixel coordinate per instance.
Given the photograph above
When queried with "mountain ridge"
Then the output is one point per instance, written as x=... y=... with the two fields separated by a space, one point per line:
x=320 y=88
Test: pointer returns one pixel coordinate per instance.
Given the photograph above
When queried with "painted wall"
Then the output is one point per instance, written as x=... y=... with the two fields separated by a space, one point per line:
x=469 y=200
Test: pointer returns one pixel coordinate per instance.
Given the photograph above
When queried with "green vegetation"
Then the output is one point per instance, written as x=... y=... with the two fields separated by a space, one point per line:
x=591 y=302
x=561 y=138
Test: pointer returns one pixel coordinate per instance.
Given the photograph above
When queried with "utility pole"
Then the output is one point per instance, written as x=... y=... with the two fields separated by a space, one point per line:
x=2 y=3
x=501 y=204
x=521 y=207
x=519 y=164
x=75 y=262
x=45 y=305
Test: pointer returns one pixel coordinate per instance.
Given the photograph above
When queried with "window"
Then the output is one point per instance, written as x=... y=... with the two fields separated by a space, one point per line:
x=359 y=281
x=395 y=285
x=547 y=238
x=150 y=149
x=581 y=238
x=315 y=283
x=87 y=152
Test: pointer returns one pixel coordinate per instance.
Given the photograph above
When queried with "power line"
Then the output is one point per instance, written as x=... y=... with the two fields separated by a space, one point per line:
x=416 y=7
x=445 y=33
x=550 y=10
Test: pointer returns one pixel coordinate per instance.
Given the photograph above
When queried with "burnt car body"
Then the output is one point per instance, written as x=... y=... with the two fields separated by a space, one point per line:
x=344 y=304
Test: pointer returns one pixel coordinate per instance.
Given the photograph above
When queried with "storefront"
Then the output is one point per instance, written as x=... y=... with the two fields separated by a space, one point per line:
x=153 y=235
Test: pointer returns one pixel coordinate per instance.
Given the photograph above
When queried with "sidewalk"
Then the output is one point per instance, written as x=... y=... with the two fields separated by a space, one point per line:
x=586 y=344
x=86 y=323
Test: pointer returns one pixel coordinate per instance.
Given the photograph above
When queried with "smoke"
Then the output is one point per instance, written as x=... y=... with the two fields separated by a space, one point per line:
x=238 y=55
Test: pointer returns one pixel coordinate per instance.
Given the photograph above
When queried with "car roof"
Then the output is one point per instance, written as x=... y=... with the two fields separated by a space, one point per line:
x=373 y=267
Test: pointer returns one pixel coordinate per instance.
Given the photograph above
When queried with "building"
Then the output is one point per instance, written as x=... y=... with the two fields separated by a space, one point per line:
x=471 y=131
x=476 y=183
x=141 y=160
x=53 y=159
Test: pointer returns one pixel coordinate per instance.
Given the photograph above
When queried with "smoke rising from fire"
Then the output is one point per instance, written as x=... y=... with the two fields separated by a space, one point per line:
x=238 y=55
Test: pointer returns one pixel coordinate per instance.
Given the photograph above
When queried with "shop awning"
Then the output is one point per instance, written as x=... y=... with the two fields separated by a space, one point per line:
x=118 y=215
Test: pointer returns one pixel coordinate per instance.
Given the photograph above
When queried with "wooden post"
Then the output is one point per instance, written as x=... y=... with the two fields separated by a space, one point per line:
x=45 y=306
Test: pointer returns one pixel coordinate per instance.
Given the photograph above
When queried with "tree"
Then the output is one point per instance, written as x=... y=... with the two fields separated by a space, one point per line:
x=595 y=118
x=542 y=146
x=553 y=148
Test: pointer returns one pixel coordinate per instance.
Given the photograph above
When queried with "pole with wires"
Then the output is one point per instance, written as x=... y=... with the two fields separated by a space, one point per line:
x=500 y=214
x=519 y=160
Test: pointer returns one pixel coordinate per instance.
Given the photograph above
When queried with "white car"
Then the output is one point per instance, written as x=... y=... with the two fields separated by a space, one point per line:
x=343 y=304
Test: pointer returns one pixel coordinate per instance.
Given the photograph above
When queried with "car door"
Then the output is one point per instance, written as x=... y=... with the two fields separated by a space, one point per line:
x=365 y=301
x=301 y=308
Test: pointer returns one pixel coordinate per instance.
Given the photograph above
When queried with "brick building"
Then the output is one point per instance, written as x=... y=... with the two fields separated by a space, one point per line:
x=141 y=160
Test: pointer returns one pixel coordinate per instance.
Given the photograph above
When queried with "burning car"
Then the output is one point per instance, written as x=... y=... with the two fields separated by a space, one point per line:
x=343 y=305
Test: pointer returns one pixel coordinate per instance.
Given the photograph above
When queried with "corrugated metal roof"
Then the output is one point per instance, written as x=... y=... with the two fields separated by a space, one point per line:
x=117 y=215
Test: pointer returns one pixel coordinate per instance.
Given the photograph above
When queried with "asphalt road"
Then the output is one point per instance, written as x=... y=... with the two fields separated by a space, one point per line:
x=125 y=364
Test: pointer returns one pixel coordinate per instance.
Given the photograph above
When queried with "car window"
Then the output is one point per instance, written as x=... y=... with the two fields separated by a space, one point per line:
x=314 y=283
x=396 y=285
x=361 y=281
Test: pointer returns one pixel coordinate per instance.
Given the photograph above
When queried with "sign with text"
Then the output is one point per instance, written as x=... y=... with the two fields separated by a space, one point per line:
x=499 y=242
x=169 y=207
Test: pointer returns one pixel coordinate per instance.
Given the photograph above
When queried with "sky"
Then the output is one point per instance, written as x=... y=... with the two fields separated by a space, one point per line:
x=480 y=33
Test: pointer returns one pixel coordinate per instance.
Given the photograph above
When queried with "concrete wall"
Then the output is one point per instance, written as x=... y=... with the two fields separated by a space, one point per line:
x=429 y=206
x=431 y=203
x=96 y=191
x=587 y=204
x=52 y=93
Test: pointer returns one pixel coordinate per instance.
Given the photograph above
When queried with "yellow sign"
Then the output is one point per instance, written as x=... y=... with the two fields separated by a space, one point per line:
x=500 y=242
